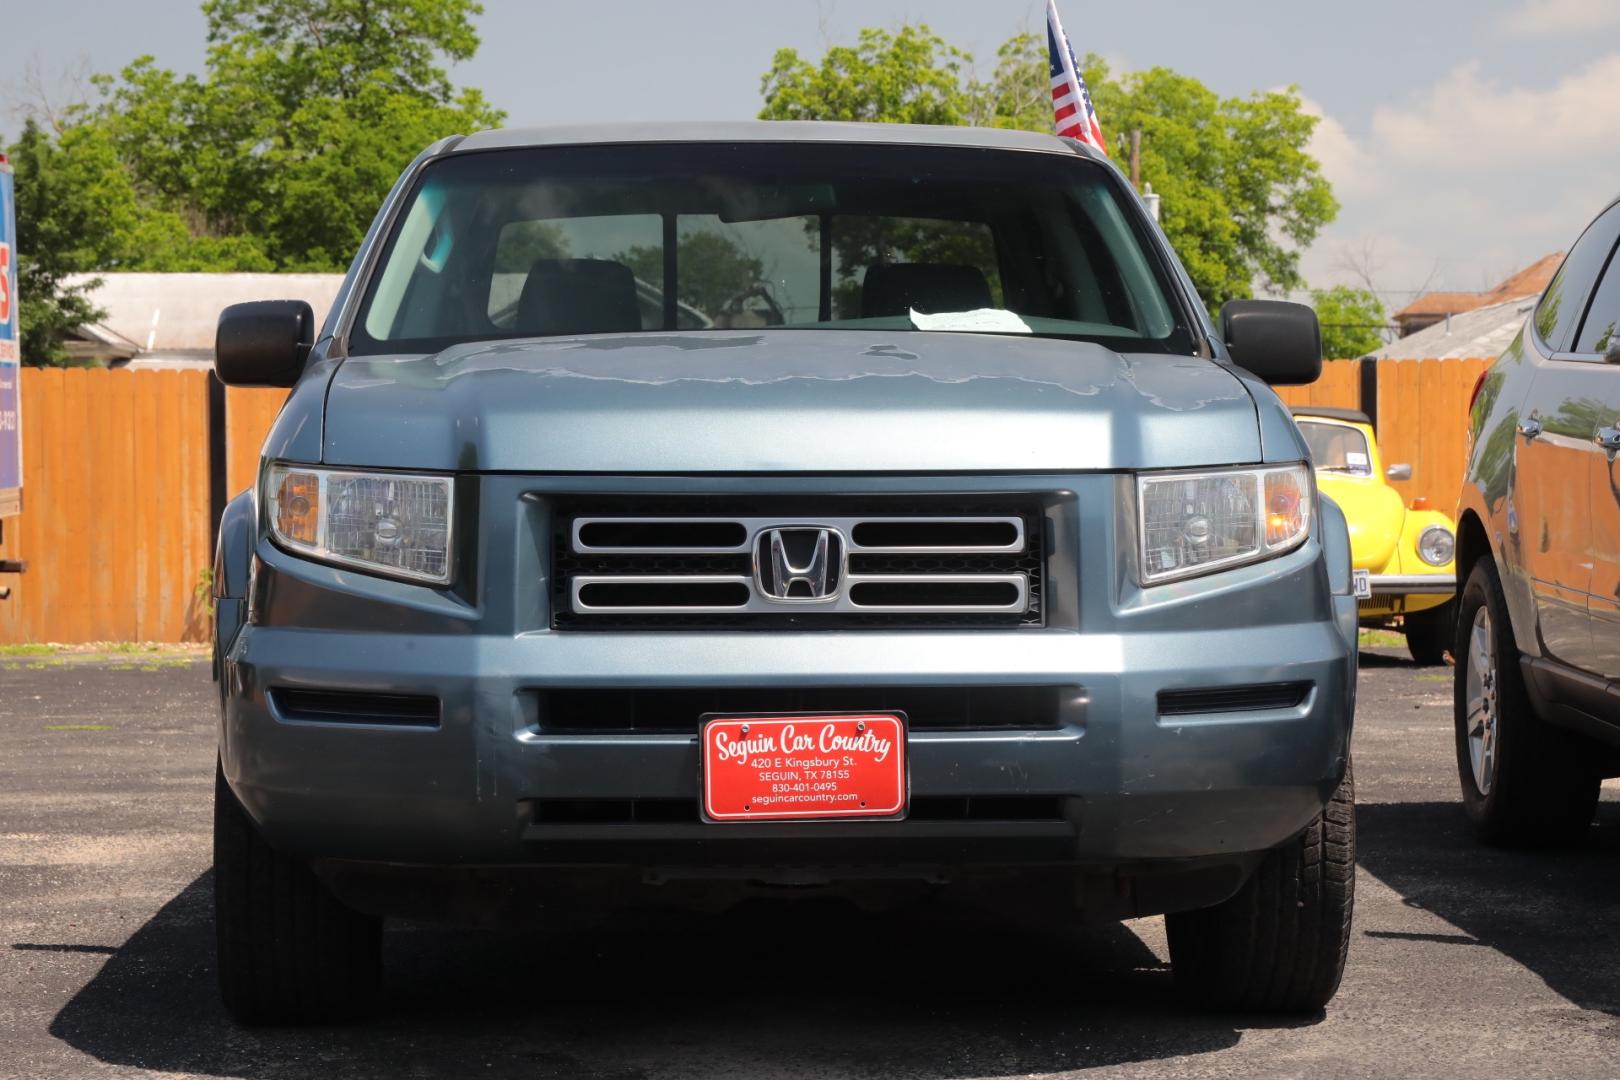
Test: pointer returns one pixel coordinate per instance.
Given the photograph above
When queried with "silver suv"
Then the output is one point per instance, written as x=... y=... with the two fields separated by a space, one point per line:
x=1538 y=556
x=706 y=511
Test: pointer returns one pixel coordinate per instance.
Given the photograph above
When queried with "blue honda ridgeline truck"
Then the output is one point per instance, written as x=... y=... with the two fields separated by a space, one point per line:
x=862 y=508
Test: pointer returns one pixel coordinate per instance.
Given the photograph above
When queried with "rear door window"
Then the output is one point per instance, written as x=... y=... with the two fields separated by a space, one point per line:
x=1565 y=299
x=1602 y=323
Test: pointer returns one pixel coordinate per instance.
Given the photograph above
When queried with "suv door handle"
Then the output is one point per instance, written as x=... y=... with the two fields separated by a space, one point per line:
x=1530 y=428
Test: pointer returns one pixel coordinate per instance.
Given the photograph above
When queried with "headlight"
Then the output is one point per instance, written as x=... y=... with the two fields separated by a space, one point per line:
x=1436 y=545
x=1193 y=523
x=387 y=523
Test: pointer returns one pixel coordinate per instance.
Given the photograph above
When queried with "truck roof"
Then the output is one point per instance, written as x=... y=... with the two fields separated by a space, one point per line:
x=770 y=131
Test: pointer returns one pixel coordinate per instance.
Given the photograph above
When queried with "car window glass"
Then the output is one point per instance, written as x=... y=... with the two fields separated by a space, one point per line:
x=1565 y=299
x=565 y=241
x=1335 y=448
x=521 y=246
x=1602 y=315
x=746 y=274
x=862 y=242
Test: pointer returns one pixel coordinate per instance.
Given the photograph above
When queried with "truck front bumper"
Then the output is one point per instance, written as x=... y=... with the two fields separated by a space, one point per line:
x=1121 y=781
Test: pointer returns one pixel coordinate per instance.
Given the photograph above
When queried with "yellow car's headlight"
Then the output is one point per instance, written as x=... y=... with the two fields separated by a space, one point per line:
x=386 y=523
x=1191 y=523
x=1436 y=545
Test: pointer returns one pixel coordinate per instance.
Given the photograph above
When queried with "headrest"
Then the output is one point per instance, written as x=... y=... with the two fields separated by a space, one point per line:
x=895 y=288
x=578 y=296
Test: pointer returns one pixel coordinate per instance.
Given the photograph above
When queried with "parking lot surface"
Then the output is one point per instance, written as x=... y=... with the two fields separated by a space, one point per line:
x=1465 y=961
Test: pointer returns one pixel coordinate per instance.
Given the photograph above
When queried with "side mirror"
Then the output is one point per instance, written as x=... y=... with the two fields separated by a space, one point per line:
x=263 y=343
x=1278 y=341
x=1399 y=472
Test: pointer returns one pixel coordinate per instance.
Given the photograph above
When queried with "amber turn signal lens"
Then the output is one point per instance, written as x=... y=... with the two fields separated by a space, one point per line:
x=1420 y=503
x=298 y=506
x=1286 y=516
x=385 y=523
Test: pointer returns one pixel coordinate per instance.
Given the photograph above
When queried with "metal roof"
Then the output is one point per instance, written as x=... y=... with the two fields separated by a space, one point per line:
x=1485 y=331
x=821 y=131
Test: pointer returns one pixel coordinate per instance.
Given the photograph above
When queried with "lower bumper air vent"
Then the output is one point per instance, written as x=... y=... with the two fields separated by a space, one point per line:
x=1232 y=699
x=685 y=811
x=927 y=708
x=355 y=707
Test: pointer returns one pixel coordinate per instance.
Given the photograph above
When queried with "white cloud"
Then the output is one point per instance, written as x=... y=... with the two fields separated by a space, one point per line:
x=1348 y=167
x=1470 y=120
x=1558 y=16
x=1467 y=180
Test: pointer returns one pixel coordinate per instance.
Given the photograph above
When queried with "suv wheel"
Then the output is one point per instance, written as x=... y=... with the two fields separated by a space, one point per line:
x=1523 y=783
x=1429 y=633
x=287 y=950
x=1279 y=945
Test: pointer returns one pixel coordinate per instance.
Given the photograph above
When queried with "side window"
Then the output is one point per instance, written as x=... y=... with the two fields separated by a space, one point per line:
x=1603 y=316
x=1565 y=299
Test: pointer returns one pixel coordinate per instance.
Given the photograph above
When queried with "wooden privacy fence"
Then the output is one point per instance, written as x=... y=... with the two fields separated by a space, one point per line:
x=116 y=523
x=116 y=484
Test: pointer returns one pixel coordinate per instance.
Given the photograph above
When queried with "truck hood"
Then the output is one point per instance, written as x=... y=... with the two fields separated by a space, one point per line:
x=787 y=400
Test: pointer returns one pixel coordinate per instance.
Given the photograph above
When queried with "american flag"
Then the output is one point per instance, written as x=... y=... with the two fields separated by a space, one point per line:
x=1071 y=101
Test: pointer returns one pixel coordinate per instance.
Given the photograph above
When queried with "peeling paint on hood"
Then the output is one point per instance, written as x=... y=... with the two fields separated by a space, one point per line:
x=787 y=400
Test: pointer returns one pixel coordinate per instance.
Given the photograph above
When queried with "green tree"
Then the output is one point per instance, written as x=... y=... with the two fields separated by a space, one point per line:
x=55 y=222
x=1241 y=194
x=275 y=159
x=78 y=210
x=912 y=76
x=1351 y=320
x=307 y=113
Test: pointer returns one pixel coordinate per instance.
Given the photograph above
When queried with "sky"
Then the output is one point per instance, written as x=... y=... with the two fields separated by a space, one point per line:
x=1464 y=138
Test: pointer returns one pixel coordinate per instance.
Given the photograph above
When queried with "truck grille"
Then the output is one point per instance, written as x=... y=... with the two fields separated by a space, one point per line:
x=710 y=563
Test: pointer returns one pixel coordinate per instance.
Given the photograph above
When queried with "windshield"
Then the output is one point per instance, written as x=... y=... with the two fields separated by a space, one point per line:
x=715 y=236
x=1335 y=448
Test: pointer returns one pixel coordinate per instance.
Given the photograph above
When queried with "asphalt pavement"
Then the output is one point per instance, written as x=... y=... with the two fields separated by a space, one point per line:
x=1465 y=961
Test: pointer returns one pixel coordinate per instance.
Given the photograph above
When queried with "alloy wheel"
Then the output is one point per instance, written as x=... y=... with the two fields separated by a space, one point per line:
x=1481 y=697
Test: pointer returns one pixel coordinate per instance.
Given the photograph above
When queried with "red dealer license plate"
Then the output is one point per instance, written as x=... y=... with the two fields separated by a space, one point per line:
x=797 y=768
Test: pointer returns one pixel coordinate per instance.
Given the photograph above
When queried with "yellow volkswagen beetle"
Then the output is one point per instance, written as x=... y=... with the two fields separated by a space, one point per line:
x=1402 y=555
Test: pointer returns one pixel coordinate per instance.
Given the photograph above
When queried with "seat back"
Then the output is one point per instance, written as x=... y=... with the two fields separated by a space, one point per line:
x=578 y=296
x=896 y=288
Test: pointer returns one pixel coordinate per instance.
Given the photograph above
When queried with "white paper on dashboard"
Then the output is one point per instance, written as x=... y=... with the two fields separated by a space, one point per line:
x=1353 y=458
x=981 y=320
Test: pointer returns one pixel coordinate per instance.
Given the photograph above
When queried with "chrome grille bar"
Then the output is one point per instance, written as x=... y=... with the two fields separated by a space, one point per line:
x=844 y=602
x=749 y=528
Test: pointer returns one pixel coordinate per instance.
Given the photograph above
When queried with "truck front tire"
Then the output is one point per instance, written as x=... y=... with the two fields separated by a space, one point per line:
x=287 y=951
x=1279 y=945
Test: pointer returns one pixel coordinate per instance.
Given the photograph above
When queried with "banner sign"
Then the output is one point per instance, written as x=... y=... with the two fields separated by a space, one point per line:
x=10 y=381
